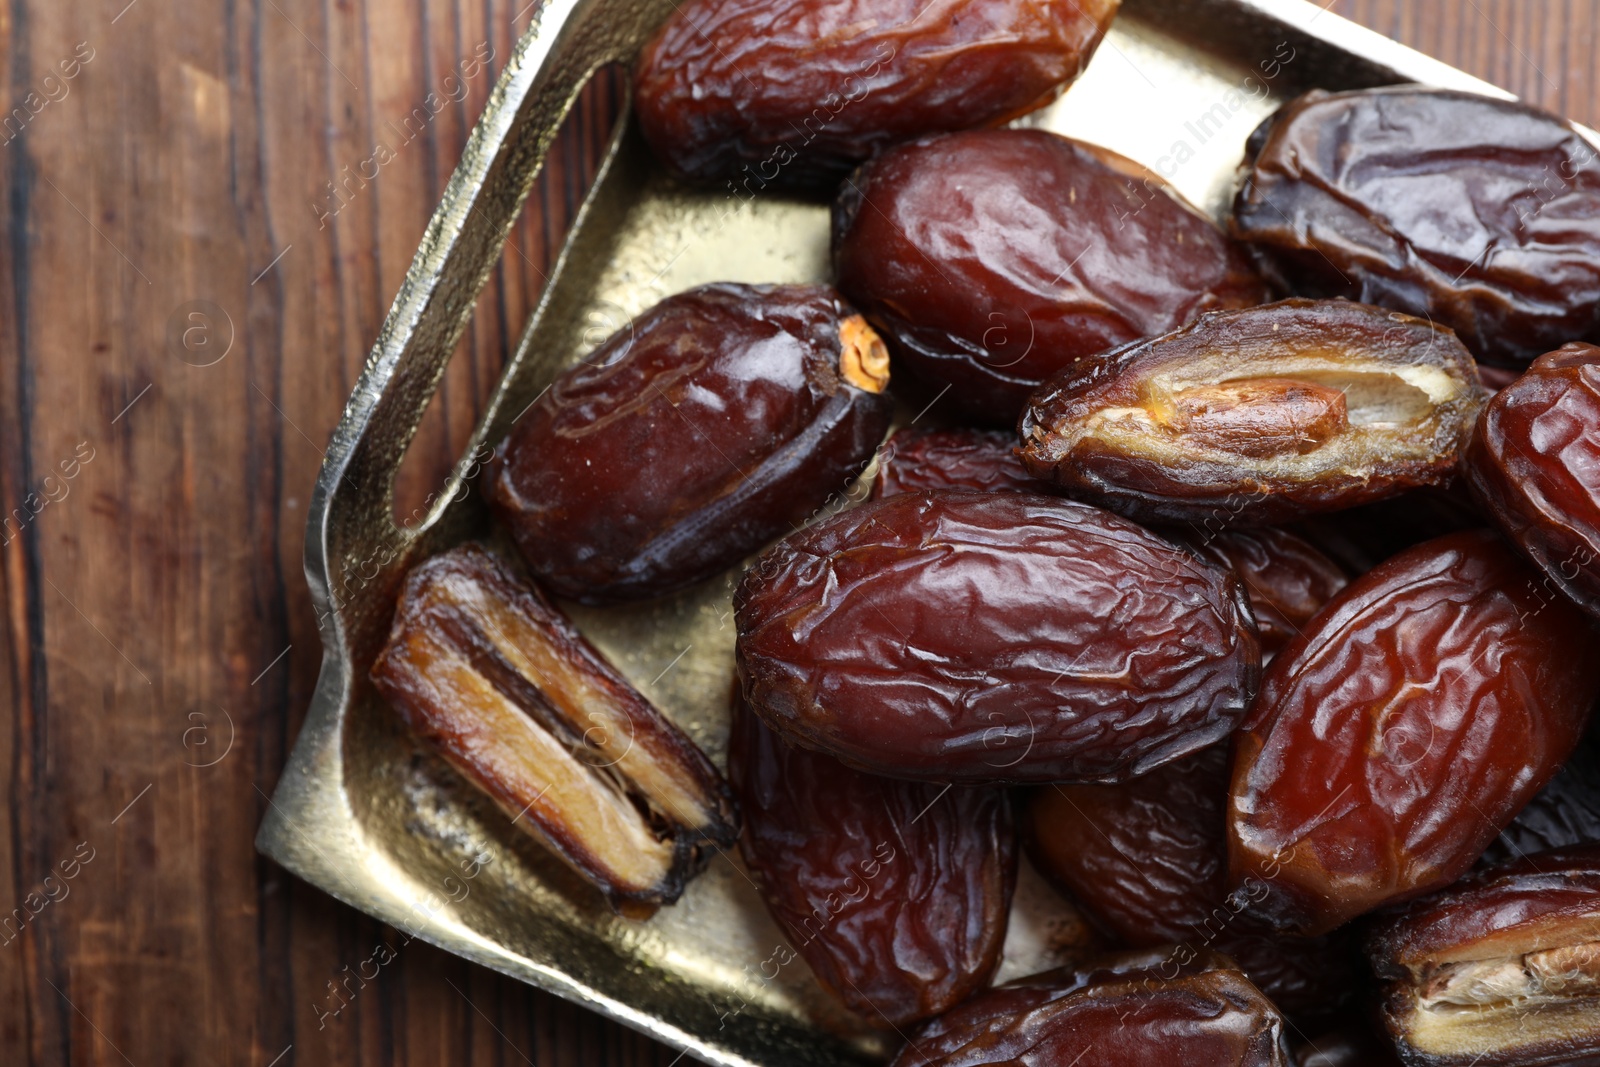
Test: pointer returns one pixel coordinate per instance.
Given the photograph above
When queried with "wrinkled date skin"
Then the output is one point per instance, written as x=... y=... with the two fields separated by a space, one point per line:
x=482 y=668
x=1133 y=1009
x=983 y=460
x=1534 y=462
x=1564 y=813
x=896 y=893
x=1482 y=215
x=993 y=637
x=993 y=260
x=1147 y=860
x=716 y=421
x=1287 y=577
x=759 y=93
x=1501 y=969
x=1403 y=730
x=1259 y=416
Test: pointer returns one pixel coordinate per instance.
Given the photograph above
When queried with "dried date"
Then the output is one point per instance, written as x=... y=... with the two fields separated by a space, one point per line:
x=1259 y=416
x=984 y=460
x=1480 y=214
x=1135 y=1009
x=1534 y=463
x=993 y=637
x=716 y=421
x=1403 y=730
x=896 y=893
x=759 y=93
x=1501 y=969
x=993 y=260
x=1146 y=859
x=499 y=683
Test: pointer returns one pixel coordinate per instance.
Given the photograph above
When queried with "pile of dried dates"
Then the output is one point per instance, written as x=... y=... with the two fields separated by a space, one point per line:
x=1220 y=588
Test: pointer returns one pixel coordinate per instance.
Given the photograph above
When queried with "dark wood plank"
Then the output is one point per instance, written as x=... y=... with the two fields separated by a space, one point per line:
x=154 y=607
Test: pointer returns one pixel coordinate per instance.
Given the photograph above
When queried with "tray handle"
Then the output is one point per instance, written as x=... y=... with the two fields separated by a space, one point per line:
x=566 y=43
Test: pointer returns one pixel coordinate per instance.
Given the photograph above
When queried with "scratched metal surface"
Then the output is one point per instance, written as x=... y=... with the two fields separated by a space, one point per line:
x=366 y=815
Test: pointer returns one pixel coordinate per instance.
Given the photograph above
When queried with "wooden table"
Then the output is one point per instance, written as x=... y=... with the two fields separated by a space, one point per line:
x=199 y=177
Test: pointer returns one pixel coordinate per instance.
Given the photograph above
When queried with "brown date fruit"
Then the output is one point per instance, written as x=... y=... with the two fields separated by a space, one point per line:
x=1403 y=730
x=979 y=638
x=993 y=260
x=715 y=422
x=485 y=671
x=1146 y=860
x=1133 y=1009
x=896 y=893
x=1564 y=813
x=758 y=93
x=952 y=459
x=1534 y=463
x=1258 y=416
x=1287 y=577
x=1501 y=969
x=1480 y=214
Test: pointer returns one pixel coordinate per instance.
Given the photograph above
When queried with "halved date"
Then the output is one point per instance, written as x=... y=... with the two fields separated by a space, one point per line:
x=714 y=422
x=1534 y=463
x=993 y=260
x=993 y=637
x=499 y=683
x=896 y=893
x=1480 y=214
x=762 y=93
x=1259 y=416
x=1400 y=733
x=983 y=460
x=1147 y=860
x=1133 y=1009
x=1501 y=969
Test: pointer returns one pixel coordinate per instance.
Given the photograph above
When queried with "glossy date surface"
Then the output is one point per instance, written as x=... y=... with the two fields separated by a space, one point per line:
x=1147 y=860
x=484 y=670
x=1258 y=416
x=1501 y=969
x=896 y=893
x=983 y=460
x=758 y=93
x=1480 y=214
x=1403 y=730
x=1534 y=464
x=714 y=422
x=993 y=260
x=976 y=637
x=1133 y=1009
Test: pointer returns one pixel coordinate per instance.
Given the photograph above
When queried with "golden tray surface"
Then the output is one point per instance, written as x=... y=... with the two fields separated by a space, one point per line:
x=362 y=812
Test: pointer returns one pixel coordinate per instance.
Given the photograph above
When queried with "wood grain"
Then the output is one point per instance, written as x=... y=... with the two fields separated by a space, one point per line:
x=159 y=650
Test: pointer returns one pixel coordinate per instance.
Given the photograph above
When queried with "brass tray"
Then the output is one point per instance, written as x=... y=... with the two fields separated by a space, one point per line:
x=367 y=816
